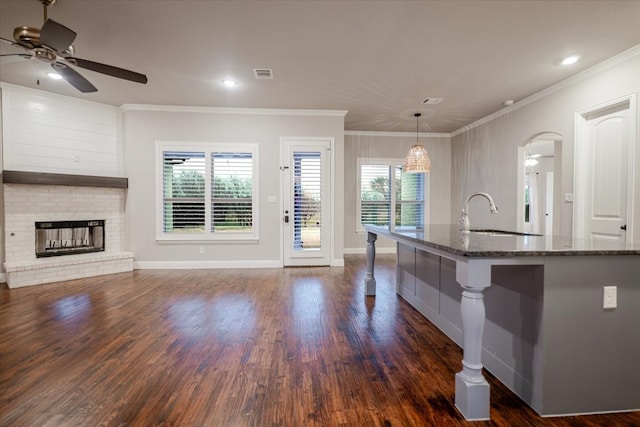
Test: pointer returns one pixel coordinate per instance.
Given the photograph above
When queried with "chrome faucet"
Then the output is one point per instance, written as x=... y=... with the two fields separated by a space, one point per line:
x=464 y=220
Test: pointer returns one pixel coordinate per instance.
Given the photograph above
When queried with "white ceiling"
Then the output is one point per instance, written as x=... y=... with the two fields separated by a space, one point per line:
x=377 y=59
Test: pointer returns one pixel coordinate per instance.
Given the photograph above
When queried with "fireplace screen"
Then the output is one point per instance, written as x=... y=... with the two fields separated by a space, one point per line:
x=69 y=237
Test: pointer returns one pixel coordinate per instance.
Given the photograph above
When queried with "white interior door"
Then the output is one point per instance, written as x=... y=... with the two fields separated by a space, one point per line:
x=306 y=203
x=607 y=137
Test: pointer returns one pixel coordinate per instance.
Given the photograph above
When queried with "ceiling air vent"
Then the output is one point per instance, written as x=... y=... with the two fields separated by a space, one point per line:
x=432 y=101
x=263 y=73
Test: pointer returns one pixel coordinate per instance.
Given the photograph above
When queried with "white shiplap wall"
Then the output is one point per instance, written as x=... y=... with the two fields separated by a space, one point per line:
x=50 y=133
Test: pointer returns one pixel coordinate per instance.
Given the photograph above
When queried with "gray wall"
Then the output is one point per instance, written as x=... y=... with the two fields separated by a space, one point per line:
x=141 y=129
x=394 y=145
x=2 y=256
x=485 y=156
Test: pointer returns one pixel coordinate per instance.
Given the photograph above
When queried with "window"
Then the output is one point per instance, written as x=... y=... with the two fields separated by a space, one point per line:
x=184 y=175
x=385 y=192
x=207 y=192
x=232 y=192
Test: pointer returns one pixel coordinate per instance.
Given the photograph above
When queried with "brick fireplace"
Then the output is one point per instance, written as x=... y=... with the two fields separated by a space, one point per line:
x=33 y=201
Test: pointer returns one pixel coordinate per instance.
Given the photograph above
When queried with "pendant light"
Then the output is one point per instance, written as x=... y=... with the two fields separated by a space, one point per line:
x=417 y=159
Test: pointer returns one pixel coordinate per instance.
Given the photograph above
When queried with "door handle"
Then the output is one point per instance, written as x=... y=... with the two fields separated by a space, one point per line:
x=623 y=227
x=286 y=216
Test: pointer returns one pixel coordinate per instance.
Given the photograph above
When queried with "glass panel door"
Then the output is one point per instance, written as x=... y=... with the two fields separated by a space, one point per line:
x=306 y=204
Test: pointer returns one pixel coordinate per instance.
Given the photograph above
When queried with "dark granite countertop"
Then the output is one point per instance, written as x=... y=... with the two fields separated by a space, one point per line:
x=494 y=243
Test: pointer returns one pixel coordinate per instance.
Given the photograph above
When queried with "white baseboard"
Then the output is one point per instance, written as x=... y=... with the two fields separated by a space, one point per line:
x=185 y=265
x=3 y=278
x=362 y=251
x=337 y=262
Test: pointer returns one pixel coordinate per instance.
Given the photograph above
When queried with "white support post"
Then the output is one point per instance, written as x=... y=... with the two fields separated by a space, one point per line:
x=472 y=389
x=370 y=281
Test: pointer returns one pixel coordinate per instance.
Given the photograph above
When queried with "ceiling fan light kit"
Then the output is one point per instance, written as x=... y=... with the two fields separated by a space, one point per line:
x=53 y=44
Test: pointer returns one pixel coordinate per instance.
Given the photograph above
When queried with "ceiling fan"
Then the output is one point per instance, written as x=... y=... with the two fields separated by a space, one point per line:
x=53 y=44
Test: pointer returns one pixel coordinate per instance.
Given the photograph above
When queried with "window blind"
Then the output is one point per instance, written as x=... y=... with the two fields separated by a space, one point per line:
x=409 y=199
x=184 y=189
x=207 y=193
x=307 y=218
x=387 y=194
x=231 y=192
x=375 y=194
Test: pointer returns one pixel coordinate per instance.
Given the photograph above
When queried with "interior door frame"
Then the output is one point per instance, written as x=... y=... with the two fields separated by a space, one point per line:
x=521 y=171
x=582 y=158
x=285 y=141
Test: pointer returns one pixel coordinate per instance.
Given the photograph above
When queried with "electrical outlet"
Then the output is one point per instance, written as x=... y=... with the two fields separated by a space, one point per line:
x=610 y=297
x=201 y=250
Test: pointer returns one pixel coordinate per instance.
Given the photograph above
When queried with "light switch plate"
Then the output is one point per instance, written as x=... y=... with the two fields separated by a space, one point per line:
x=610 y=297
x=568 y=197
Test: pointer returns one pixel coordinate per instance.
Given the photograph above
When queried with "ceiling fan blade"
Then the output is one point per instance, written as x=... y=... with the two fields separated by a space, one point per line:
x=109 y=70
x=56 y=36
x=74 y=78
x=14 y=57
x=11 y=42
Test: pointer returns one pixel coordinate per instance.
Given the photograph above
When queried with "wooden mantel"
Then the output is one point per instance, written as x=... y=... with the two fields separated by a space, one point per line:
x=40 y=178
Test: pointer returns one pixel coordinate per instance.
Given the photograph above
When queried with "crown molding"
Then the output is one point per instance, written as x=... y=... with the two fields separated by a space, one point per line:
x=589 y=72
x=229 y=110
x=397 y=134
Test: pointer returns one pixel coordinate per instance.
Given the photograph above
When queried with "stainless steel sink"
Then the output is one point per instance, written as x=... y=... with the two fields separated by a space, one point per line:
x=501 y=233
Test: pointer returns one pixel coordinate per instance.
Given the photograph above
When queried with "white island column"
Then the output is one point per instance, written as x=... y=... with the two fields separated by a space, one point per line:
x=370 y=281
x=472 y=389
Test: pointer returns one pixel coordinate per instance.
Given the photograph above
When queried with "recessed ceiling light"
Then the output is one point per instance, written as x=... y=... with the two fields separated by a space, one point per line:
x=54 y=76
x=229 y=83
x=570 y=60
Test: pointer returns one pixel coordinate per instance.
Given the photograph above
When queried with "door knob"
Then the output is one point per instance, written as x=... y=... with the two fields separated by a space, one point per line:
x=623 y=227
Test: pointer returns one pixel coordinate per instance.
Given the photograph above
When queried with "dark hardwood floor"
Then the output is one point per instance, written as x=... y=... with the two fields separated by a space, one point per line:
x=276 y=347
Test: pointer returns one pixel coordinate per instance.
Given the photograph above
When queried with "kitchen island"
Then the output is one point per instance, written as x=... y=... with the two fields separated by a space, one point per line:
x=529 y=309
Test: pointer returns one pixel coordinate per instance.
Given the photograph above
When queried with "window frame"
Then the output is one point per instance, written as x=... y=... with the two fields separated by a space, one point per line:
x=209 y=148
x=389 y=162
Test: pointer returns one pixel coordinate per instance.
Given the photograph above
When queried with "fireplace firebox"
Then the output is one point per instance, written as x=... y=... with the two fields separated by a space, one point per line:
x=54 y=238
